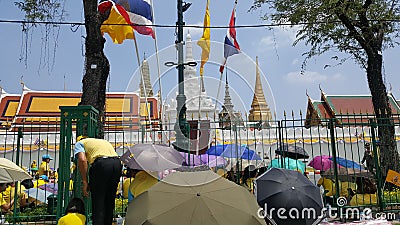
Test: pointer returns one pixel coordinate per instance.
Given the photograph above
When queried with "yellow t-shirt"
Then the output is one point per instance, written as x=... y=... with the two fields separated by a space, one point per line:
x=125 y=186
x=344 y=186
x=363 y=199
x=39 y=182
x=43 y=168
x=97 y=147
x=2 y=200
x=9 y=194
x=72 y=219
x=328 y=184
x=142 y=182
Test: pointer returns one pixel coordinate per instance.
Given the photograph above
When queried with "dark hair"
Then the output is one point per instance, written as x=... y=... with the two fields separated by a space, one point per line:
x=249 y=172
x=365 y=186
x=76 y=205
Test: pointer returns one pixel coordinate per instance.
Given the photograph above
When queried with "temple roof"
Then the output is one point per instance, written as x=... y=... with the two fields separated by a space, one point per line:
x=8 y=106
x=346 y=108
x=42 y=107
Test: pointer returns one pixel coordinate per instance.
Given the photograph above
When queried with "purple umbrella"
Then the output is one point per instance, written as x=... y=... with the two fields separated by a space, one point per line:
x=205 y=159
x=213 y=160
x=51 y=187
x=321 y=162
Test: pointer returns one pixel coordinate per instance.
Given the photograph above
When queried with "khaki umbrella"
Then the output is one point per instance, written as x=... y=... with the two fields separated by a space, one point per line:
x=10 y=172
x=194 y=198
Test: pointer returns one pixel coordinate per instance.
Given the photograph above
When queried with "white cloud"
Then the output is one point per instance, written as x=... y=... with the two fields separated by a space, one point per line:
x=194 y=32
x=338 y=76
x=268 y=42
x=295 y=61
x=279 y=37
x=306 y=78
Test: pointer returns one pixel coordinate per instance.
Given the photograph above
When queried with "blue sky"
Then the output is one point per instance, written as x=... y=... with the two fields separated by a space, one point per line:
x=279 y=61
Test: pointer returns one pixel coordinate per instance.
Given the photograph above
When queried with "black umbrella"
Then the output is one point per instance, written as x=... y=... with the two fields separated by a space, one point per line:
x=287 y=193
x=292 y=151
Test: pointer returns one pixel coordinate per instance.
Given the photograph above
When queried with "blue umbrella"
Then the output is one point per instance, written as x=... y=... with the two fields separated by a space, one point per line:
x=248 y=154
x=347 y=163
x=233 y=151
x=219 y=149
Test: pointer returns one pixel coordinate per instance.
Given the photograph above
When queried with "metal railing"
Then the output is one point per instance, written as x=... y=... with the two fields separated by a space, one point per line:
x=345 y=140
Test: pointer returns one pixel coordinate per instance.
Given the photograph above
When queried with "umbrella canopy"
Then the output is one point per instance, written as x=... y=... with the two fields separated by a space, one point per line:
x=38 y=195
x=347 y=163
x=194 y=198
x=347 y=174
x=51 y=187
x=287 y=163
x=321 y=162
x=152 y=157
x=212 y=160
x=10 y=172
x=233 y=151
x=292 y=151
x=279 y=189
x=204 y=159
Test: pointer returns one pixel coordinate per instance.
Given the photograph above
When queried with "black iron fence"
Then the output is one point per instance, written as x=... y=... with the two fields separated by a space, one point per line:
x=341 y=140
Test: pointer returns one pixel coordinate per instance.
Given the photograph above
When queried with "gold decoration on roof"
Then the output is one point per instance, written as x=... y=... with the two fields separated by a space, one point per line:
x=260 y=110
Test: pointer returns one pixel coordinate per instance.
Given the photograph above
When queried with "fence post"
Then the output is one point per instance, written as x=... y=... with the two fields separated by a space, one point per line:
x=20 y=135
x=280 y=142
x=378 y=173
x=333 y=146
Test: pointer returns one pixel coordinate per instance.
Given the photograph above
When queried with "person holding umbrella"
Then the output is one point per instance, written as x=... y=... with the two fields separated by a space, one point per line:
x=104 y=175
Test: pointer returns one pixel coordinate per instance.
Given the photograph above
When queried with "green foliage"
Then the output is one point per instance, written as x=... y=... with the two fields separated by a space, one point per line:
x=120 y=206
x=40 y=10
x=31 y=214
x=392 y=196
x=349 y=26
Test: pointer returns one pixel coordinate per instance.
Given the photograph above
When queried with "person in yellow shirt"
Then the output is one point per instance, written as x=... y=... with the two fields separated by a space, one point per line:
x=74 y=214
x=8 y=197
x=142 y=182
x=125 y=186
x=5 y=201
x=41 y=181
x=329 y=187
x=366 y=192
x=44 y=168
x=249 y=174
x=104 y=175
x=33 y=164
x=347 y=189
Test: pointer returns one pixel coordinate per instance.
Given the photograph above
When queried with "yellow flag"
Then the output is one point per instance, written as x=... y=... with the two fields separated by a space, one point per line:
x=393 y=177
x=116 y=20
x=204 y=41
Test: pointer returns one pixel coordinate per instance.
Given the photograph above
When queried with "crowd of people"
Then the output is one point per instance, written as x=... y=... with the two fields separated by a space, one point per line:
x=105 y=165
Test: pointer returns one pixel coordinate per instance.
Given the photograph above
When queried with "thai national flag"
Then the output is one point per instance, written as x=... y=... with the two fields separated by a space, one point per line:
x=231 y=46
x=141 y=15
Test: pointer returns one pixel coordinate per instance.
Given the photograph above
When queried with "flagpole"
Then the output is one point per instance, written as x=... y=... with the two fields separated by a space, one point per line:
x=144 y=87
x=158 y=62
x=219 y=88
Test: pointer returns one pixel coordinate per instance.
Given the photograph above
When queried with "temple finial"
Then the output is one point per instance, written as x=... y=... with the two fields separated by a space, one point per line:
x=260 y=110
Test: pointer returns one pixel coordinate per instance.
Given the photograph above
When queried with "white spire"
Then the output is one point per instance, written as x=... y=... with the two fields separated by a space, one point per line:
x=189 y=48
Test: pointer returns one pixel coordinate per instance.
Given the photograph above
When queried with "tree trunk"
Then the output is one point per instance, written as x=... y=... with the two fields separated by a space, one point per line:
x=97 y=67
x=389 y=156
